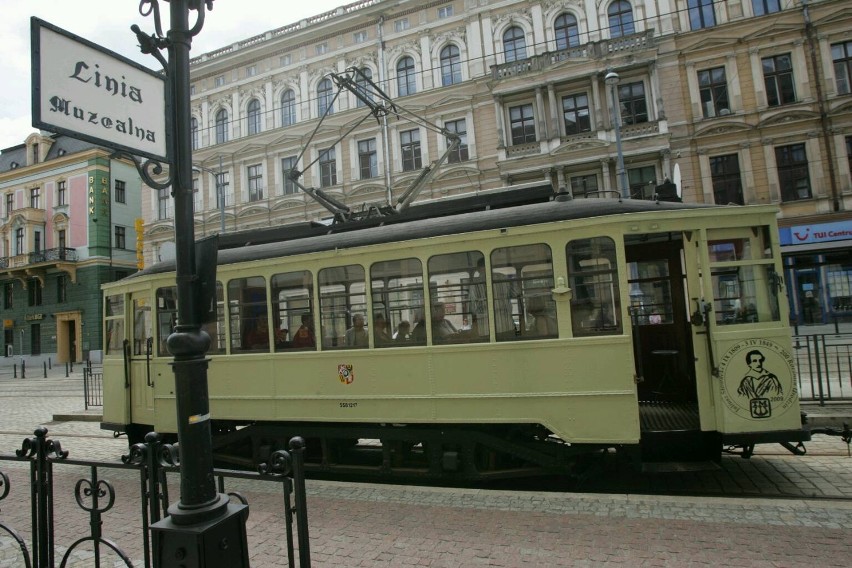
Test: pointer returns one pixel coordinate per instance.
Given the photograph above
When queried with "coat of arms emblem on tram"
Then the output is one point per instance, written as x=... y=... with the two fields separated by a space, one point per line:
x=345 y=373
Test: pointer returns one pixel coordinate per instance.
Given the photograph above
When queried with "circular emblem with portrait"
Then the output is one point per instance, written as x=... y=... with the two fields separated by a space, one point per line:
x=758 y=379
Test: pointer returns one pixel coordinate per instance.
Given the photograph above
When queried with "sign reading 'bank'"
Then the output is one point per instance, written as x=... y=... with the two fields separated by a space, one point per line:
x=89 y=92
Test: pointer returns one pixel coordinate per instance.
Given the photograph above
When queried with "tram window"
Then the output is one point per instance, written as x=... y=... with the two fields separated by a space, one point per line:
x=292 y=313
x=397 y=289
x=249 y=315
x=216 y=329
x=114 y=325
x=745 y=284
x=650 y=292
x=593 y=274
x=141 y=325
x=457 y=298
x=342 y=296
x=166 y=317
x=521 y=281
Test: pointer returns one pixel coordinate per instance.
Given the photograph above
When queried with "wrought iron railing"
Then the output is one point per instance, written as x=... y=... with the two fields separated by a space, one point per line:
x=97 y=497
x=61 y=254
x=93 y=385
x=824 y=366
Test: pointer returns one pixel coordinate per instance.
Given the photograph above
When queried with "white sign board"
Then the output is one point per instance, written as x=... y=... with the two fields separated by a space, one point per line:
x=88 y=92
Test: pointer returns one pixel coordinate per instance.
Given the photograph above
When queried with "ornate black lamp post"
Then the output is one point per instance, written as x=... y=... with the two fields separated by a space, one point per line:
x=203 y=529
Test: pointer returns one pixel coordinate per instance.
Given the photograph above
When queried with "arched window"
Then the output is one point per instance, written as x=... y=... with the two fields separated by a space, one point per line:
x=363 y=85
x=193 y=129
x=450 y=66
x=566 y=31
x=288 y=108
x=406 y=82
x=221 y=126
x=514 y=44
x=620 y=19
x=253 y=115
x=325 y=97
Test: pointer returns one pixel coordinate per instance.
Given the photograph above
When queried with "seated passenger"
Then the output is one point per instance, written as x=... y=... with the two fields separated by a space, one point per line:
x=258 y=336
x=304 y=336
x=356 y=336
x=544 y=324
x=442 y=329
x=403 y=331
x=382 y=335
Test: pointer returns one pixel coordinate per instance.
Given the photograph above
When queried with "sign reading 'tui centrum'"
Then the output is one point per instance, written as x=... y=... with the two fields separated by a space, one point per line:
x=88 y=92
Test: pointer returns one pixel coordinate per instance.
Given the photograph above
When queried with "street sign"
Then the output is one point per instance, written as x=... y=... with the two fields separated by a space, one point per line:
x=86 y=91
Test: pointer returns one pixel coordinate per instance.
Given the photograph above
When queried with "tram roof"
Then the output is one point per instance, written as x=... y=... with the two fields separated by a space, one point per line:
x=391 y=229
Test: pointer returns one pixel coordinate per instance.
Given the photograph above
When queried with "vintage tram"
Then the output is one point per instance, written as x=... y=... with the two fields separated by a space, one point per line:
x=493 y=343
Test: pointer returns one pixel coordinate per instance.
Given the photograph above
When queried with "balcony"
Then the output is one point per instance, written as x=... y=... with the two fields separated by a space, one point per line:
x=36 y=264
x=523 y=149
x=591 y=50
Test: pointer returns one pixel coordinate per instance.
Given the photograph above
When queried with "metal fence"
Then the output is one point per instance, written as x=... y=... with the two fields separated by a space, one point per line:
x=93 y=385
x=824 y=366
x=97 y=497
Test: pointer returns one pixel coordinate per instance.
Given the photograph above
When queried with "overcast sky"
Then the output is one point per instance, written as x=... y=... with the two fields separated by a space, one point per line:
x=107 y=23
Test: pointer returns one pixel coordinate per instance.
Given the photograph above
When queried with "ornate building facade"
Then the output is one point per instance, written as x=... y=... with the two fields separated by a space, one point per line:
x=67 y=225
x=745 y=101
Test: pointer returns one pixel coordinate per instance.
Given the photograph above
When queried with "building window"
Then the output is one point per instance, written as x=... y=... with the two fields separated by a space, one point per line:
x=223 y=182
x=701 y=14
x=727 y=184
x=35 y=197
x=328 y=167
x=792 y=163
x=401 y=25
x=287 y=166
x=406 y=81
x=359 y=37
x=36 y=241
x=522 y=123
x=450 y=66
x=288 y=108
x=642 y=182
x=19 y=241
x=120 y=237
x=61 y=193
x=35 y=154
x=620 y=19
x=34 y=292
x=368 y=159
x=458 y=127
x=61 y=289
x=514 y=44
x=763 y=7
x=192 y=89
x=219 y=81
x=631 y=97
x=255 y=182
x=778 y=76
x=7 y=296
x=841 y=54
x=849 y=153
x=120 y=191
x=163 y=204
x=193 y=128
x=409 y=142
x=251 y=70
x=253 y=115
x=362 y=85
x=566 y=31
x=62 y=243
x=10 y=204
x=196 y=196
x=713 y=89
x=321 y=48
x=445 y=12
x=325 y=97
x=285 y=60
x=575 y=113
x=584 y=186
x=221 y=126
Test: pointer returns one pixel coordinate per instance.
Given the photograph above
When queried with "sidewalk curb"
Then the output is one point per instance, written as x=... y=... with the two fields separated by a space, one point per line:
x=81 y=416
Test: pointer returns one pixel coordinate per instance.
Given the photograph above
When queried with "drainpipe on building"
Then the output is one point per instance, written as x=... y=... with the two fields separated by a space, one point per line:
x=385 y=141
x=825 y=122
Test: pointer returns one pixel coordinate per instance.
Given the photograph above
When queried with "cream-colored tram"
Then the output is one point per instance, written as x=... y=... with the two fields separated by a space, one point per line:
x=493 y=343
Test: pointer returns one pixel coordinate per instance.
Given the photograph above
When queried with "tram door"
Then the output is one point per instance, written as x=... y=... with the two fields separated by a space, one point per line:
x=141 y=347
x=662 y=338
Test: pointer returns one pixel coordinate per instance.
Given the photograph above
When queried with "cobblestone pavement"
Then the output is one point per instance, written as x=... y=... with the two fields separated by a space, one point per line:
x=356 y=524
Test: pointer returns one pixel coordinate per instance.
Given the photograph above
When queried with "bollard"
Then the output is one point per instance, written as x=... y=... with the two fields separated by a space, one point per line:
x=45 y=370
x=23 y=369
x=66 y=369
x=49 y=363
x=72 y=366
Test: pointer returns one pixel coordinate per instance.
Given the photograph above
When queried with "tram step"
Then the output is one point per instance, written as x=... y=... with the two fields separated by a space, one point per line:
x=679 y=467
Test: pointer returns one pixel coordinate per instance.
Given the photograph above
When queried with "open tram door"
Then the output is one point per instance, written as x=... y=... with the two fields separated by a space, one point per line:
x=138 y=354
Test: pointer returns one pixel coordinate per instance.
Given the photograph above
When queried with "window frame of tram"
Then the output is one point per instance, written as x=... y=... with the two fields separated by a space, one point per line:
x=248 y=313
x=292 y=299
x=743 y=276
x=342 y=296
x=114 y=324
x=396 y=287
x=166 y=318
x=593 y=278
